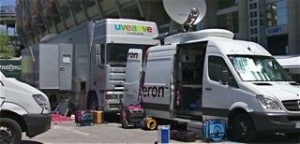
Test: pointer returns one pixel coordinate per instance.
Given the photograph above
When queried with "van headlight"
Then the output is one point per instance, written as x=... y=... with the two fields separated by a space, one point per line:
x=268 y=102
x=42 y=101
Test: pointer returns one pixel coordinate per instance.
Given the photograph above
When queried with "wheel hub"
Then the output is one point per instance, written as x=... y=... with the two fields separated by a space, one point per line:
x=244 y=129
x=5 y=135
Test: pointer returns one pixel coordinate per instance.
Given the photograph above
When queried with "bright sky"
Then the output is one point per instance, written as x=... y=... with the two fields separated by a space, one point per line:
x=7 y=2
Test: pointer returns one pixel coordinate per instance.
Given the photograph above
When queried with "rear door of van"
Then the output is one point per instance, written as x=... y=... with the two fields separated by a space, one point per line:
x=132 y=76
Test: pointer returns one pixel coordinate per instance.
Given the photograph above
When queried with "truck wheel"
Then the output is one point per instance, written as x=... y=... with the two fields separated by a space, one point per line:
x=125 y=124
x=242 y=128
x=10 y=131
x=293 y=136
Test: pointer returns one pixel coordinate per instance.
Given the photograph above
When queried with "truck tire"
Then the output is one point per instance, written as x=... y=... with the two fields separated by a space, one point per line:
x=242 y=128
x=293 y=137
x=125 y=124
x=10 y=131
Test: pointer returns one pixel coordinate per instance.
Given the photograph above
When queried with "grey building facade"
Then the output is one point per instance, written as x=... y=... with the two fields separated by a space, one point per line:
x=8 y=22
x=272 y=23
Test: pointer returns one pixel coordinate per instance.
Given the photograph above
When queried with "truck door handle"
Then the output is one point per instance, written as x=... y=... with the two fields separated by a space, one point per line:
x=62 y=69
x=1 y=83
x=208 y=89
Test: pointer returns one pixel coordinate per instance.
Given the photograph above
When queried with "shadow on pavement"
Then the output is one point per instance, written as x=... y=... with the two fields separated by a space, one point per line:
x=30 y=142
x=279 y=138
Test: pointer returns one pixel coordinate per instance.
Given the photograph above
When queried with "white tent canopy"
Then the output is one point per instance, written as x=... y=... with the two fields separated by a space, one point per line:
x=289 y=61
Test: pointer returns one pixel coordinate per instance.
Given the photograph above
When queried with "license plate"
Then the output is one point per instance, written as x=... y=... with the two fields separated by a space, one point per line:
x=297 y=125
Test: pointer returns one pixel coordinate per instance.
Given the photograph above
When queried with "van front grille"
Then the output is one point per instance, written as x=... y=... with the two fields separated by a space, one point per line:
x=292 y=105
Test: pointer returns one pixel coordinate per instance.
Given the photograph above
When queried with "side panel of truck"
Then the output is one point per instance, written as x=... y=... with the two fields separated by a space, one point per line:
x=157 y=99
x=291 y=64
x=73 y=80
x=132 y=76
x=80 y=38
x=65 y=66
x=48 y=66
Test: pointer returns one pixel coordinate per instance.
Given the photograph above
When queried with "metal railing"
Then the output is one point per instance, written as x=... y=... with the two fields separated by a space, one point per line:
x=7 y=11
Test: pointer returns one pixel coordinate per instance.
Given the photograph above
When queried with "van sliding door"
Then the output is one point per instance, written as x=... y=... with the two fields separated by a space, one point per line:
x=188 y=75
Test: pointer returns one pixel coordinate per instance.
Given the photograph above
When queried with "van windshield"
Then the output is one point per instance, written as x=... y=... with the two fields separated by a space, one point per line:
x=258 y=68
x=117 y=53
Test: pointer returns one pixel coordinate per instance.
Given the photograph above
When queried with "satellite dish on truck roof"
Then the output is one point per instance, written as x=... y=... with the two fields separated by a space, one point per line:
x=180 y=10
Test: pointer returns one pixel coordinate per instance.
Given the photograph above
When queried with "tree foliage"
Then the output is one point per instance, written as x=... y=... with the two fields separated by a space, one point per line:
x=6 y=51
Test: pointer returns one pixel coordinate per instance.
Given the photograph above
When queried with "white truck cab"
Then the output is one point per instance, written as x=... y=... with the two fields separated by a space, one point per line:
x=207 y=74
x=290 y=63
x=22 y=109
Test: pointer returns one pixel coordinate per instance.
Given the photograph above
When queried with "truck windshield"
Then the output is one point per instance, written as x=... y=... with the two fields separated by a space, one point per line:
x=258 y=68
x=117 y=53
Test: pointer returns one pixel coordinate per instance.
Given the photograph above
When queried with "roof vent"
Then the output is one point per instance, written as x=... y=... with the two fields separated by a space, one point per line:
x=183 y=37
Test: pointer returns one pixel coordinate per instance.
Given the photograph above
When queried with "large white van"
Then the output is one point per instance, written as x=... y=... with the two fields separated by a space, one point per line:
x=207 y=74
x=291 y=63
x=22 y=109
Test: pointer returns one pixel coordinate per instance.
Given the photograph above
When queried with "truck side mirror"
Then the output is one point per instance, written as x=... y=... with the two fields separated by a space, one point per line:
x=228 y=79
x=98 y=60
x=225 y=77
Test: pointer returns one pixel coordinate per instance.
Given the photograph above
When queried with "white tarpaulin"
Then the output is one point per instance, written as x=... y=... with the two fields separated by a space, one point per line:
x=289 y=62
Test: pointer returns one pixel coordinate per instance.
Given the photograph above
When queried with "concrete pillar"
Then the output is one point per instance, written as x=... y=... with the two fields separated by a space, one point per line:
x=210 y=19
x=293 y=29
x=243 y=20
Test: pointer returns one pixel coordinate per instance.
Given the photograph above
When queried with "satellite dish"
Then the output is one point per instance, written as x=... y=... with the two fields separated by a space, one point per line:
x=179 y=10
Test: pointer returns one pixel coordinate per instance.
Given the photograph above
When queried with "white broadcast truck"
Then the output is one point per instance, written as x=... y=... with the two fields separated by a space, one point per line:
x=22 y=109
x=207 y=74
x=290 y=63
x=87 y=62
x=112 y=40
x=203 y=75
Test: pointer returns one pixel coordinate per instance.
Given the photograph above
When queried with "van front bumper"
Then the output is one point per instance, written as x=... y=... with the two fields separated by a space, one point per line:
x=276 y=122
x=37 y=123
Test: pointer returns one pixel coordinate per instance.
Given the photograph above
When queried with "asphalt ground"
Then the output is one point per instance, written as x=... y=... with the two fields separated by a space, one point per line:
x=68 y=133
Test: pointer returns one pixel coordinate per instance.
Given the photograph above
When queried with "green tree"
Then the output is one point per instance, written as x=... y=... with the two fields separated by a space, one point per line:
x=6 y=51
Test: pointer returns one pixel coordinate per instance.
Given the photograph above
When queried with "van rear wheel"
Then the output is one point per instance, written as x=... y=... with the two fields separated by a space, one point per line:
x=293 y=136
x=10 y=131
x=242 y=128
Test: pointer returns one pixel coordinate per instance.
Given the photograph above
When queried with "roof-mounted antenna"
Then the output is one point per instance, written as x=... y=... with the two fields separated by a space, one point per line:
x=190 y=22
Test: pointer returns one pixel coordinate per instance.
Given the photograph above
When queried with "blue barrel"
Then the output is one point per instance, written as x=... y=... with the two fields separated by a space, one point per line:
x=163 y=134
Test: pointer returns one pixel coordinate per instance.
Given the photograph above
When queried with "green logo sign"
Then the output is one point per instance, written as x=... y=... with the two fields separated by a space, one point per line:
x=10 y=67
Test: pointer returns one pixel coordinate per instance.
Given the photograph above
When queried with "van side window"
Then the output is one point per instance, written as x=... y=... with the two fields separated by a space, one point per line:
x=216 y=65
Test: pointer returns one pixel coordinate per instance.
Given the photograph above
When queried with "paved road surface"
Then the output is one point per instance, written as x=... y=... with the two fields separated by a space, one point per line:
x=68 y=132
